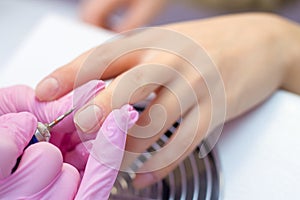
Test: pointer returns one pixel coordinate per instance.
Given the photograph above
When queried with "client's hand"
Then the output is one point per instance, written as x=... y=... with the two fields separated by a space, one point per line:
x=242 y=60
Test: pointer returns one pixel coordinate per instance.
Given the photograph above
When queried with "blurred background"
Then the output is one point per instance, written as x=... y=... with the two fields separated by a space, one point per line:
x=18 y=17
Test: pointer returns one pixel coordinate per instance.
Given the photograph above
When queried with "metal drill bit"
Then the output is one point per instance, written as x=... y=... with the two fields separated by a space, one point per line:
x=42 y=132
x=60 y=118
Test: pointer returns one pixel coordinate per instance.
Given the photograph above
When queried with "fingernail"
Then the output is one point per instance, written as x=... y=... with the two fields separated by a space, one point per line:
x=47 y=89
x=88 y=118
x=143 y=180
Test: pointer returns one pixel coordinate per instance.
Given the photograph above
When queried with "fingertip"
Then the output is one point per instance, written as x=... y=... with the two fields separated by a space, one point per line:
x=143 y=180
x=86 y=92
x=50 y=151
x=133 y=115
x=89 y=118
x=125 y=117
x=44 y=154
x=90 y=18
x=47 y=89
x=95 y=12
x=73 y=173
x=41 y=163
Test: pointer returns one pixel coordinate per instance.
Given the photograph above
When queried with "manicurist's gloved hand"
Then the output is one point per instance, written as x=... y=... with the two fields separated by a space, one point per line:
x=64 y=135
x=41 y=173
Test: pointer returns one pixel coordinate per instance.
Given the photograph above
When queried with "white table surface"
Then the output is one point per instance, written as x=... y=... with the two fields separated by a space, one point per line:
x=258 y=152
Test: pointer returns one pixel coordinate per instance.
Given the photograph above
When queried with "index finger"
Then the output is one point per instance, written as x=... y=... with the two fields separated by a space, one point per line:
x=103 y=62
x=106 y=61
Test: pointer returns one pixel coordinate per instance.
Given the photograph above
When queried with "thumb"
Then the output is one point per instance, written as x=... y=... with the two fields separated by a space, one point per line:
x=16 y=130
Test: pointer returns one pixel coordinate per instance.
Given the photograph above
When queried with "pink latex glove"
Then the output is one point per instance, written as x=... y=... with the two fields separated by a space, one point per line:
x=42 y=173
x=106 y=154
x=21 y=98
x=61 y=180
